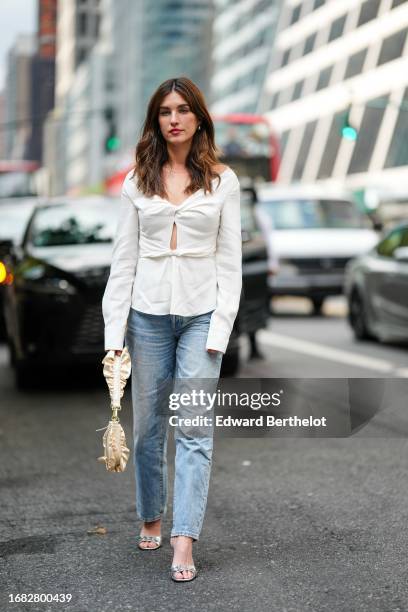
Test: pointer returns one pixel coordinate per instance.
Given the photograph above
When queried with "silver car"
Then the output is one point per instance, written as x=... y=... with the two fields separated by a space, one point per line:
x=313 y=232
x=376 y=286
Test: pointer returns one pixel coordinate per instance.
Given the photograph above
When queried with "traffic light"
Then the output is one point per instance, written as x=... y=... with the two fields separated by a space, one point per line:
x=348 y=131
x=112 y=141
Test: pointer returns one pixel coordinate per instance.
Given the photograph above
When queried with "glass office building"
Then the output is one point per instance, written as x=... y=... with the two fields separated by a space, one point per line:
x=176 y=42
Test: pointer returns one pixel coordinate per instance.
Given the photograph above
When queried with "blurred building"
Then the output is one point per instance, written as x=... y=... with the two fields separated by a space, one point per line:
x=243 y=40
x=18 y=97
x=77 y=31
x=110 y=58
x=341 y=69
x=75 y=127
x=129 y=64
x=42 y=76
x=47 y=28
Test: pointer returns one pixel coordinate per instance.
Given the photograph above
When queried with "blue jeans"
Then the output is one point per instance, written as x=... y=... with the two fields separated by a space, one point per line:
x=164 y=350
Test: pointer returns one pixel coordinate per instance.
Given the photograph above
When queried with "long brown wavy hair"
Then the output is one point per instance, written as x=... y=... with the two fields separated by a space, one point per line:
x=151 y=150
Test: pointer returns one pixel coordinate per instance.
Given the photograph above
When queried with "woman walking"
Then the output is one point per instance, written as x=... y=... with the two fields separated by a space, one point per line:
x=173 y=295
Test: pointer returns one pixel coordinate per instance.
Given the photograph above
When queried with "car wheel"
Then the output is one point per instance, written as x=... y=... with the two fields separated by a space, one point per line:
x=317 y=305
x=230 y=363
x=358 y=317
x=24 y=375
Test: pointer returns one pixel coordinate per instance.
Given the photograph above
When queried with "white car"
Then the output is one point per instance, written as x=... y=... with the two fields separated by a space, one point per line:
x=313 y=233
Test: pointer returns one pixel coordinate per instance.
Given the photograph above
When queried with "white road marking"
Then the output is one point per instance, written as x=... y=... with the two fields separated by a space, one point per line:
x=325 y=352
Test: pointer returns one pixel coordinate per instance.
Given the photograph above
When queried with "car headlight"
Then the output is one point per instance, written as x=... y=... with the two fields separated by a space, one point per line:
x=56 y=286
x=6 y=277
x=35 y=279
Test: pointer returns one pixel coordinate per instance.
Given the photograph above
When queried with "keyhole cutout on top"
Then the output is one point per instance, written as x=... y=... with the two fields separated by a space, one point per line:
x=173 y=239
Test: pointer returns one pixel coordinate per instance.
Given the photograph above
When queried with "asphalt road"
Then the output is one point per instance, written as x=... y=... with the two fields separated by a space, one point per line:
x=292 y=525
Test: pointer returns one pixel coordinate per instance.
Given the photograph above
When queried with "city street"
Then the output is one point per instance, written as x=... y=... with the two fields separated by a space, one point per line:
x=292 y=524
x=297 y=344
x=165 y=168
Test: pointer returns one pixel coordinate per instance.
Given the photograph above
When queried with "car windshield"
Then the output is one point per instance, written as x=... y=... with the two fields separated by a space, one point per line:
x=80 y=223
x=313 y=214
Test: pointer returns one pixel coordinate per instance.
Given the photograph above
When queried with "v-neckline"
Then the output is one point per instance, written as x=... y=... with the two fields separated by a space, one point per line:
x=191 y=194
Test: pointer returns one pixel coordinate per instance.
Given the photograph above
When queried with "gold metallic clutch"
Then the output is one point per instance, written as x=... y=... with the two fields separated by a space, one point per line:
x=116 y=369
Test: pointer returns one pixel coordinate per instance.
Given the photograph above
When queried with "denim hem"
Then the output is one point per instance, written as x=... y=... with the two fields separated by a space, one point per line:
x=195 y=536
x=150 y=520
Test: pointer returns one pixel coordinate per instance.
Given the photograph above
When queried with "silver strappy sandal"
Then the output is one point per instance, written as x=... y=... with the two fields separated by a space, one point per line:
x=147 y=538
x=181 y=568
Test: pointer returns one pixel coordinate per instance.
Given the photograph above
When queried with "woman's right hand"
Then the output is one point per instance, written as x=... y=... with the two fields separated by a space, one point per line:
x=116 y=352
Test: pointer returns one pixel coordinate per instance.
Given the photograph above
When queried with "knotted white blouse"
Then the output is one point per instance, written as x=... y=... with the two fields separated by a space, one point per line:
x=203 y=273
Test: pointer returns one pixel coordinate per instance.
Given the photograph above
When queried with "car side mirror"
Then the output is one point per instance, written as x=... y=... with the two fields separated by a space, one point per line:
x=401 y=254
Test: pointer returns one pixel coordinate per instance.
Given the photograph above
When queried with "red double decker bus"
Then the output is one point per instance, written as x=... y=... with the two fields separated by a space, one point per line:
x=248 y=144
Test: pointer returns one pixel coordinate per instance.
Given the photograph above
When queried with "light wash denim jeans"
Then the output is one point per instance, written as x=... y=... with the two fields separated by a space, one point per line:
x=165 y=349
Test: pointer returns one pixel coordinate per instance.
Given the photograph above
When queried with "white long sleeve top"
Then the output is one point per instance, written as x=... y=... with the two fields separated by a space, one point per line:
x=203 y=273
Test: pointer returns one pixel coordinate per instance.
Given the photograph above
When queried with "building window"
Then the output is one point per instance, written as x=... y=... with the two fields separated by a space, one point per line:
x=396 y=3
x=82 y=24
x=331 y=148
x=81 y=55
x=258 y=74
x=260 y=39
x=274 y=99
x=392 y=47
x=309 y=44
x=337 y=28
x=317 y=4
x=285 y=57
x=324 y=78
x=109 y=79
x=295 y=14
x=304 y=150
x=369 y=11
x=263 y=5
x=97 y=24
x=297 y=90
x=367 y=135
x=355 y=64
x=283 y=141
x=398 y=151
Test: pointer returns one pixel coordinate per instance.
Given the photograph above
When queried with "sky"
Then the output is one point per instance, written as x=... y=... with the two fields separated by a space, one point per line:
x=16 y=16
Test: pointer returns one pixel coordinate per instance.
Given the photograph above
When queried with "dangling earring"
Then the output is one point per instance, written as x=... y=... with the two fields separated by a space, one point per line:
x=199 y=128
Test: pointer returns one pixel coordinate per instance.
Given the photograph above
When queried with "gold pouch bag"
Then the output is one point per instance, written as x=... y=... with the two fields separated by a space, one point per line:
x=116 y=369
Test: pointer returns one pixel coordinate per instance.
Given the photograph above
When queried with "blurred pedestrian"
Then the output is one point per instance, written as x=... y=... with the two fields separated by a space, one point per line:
x=173 y=295
x=265 y=224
